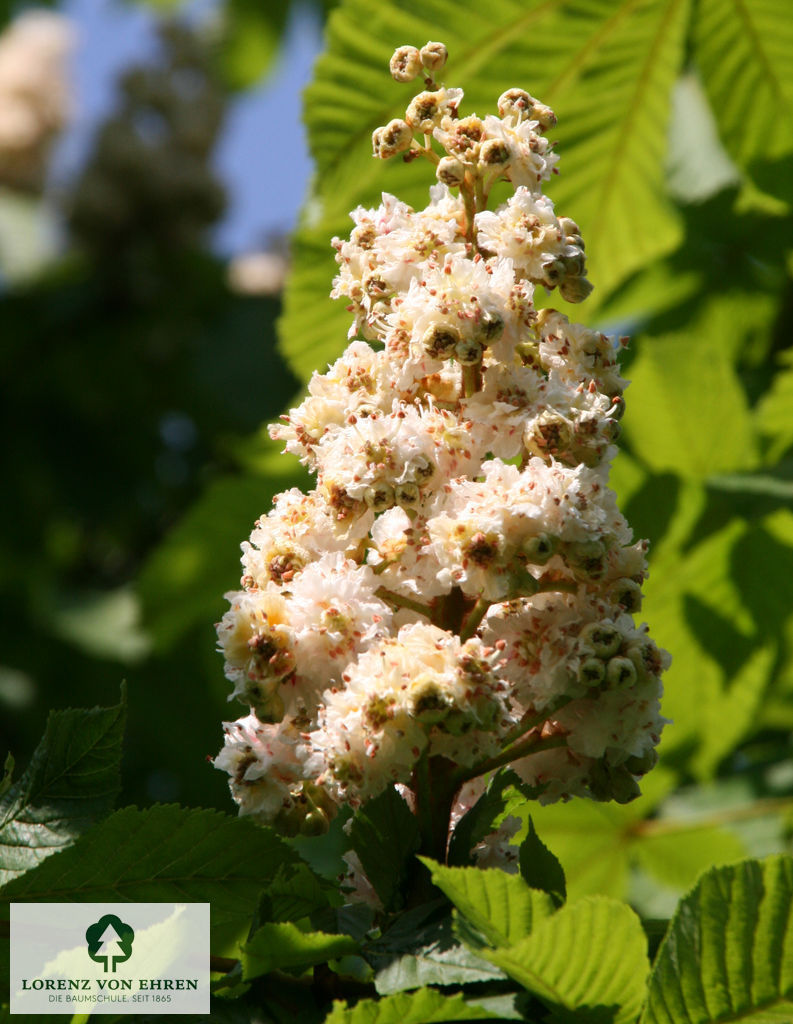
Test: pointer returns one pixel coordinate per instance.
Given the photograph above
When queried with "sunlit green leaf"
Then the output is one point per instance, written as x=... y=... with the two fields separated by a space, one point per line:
x=284 y=946
x=427 y=1006
x=590 y=957
x=499 y=905
x=728 y=953
x=606 y=68
x=742 y=49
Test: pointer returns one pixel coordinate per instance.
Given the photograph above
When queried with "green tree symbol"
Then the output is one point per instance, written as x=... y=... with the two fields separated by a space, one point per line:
x=109 y=941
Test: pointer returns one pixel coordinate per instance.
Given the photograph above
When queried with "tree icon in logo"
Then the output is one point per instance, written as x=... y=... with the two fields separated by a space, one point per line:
x=109 y=941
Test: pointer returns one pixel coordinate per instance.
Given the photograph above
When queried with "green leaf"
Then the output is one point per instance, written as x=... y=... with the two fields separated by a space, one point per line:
x=500 y=906
x=773 y=412
x=72 y=781
x=610 y=85
x=439 y=960
x=163 y=853
x=283 y=946
x=296 y=892
x=423 y=1007
x=540 y=869
x=687 y=411
x=385 y=835
x=744 y=52
x=728 y=953
x=183 y=581
x=253 y=33
x=589 y=958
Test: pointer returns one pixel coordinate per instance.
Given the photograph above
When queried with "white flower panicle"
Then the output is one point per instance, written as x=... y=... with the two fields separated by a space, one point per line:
x=35 y=98
x=458 y=591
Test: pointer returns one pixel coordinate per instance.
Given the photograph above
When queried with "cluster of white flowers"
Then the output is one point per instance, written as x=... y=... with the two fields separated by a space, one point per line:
x=35 y=100
x=459 y=588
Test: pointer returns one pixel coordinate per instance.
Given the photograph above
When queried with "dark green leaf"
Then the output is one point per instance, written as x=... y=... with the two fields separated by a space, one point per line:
x=296 y=892
x=71 y=782
x=385 y=835
x=484 y=817
x=183 y=581
x=540 y=869
x=438 y=960
x=728 y=953
x=164 y=853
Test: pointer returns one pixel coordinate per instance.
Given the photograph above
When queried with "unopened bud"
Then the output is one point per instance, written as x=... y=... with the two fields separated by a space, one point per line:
x=468 y=352
x=603 y=639
x=433 y=56
x=450 y=171
x=588 y=557
x=640 y=765
x=315 y=823
x=494 y=153
x=379 y=497
x=393 y=138
x=423 y=111
x=543 y=115
x=407 y=495
x=621 y=673
x=628 y=594
x=592 y=672
x=539 y=549
x=515 y=103
x=491 y=326
x=405 y=63
x=554 y=271
x=439 y=341
x=575 y=289
x=569 y=226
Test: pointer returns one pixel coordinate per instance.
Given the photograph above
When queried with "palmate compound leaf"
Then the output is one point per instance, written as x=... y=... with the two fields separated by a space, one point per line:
x=71 y=782
x=728 y=953
x=163 y=854
x=744 y=52
x=426 y=1006
x=606 y=67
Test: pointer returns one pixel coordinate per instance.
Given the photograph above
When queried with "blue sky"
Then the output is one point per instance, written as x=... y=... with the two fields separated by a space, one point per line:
x=264 y=195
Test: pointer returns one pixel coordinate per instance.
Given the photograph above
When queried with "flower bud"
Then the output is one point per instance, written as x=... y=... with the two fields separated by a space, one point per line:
x=628 y=594
x=575 y=289
x=515 y=103
x=439 y=341
x=641 y=765
x=405 y=63
x=407 y=495
x=603 y=639
x=315 y=823
x=569 y=226
x=588 y=557
x=542 y=114
x=621 y=673
x=468 y=352
x=433 y=56
x=379 y=497
x=491 y=326
x=393 y=138
x=494 y=153
x=592 y=672
x=450 y=171
x=537 y=550
x=423 y=111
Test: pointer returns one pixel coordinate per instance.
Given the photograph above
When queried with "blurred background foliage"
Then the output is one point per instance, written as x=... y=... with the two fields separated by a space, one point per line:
x=138 y=373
